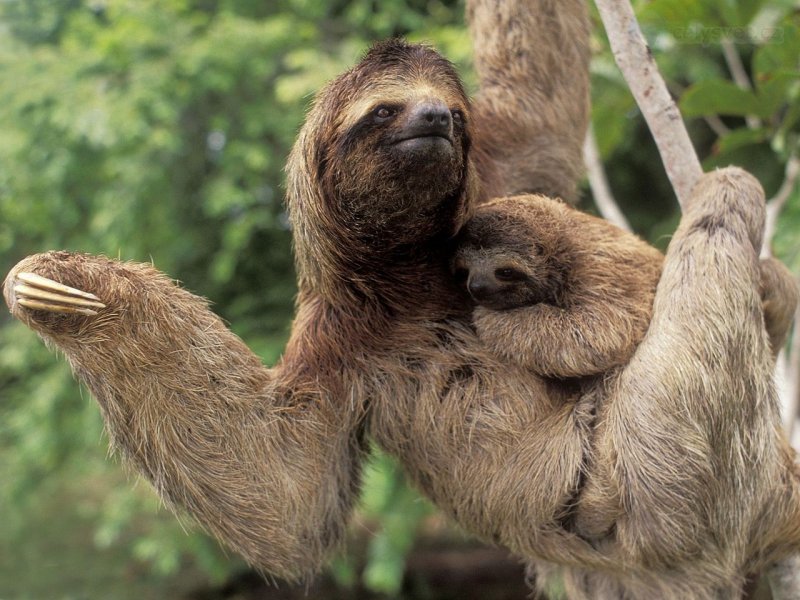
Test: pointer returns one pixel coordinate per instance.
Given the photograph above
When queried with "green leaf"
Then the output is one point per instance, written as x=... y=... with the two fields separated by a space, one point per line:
x=773 y=93
x=718 y=97
x=385 y=566
x=787 y=236
x=748 y=9
x=792 y=116
x=612 y=106
x=677 y=15
x=738 y=13
x=739 y=138
x=758 y=159
x=781 y=52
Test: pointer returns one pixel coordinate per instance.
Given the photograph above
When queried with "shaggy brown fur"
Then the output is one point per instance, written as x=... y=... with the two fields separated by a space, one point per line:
x=560 y=292
x=686 y=483
x=533 y=109
x=565 y=294
x=780 y=295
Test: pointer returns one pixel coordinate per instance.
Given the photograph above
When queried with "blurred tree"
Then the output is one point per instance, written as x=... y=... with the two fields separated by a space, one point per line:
x=157 y=130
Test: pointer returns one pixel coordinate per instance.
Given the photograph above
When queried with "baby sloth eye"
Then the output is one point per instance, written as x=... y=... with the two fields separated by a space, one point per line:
x=508 y=274
x=458 y=116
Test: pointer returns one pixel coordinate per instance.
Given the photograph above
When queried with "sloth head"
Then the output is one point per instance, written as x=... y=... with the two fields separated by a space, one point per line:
x=381 y=167
x=505 y=262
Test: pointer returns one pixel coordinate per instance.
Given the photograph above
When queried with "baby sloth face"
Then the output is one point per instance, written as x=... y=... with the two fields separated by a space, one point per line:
x=501 y=278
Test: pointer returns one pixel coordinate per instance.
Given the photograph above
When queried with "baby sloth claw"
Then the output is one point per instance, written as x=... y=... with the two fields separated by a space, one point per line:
x=40 y=293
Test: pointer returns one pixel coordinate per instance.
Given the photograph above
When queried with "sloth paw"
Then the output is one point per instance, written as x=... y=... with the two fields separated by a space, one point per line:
x=728 y=200
x=35 y=292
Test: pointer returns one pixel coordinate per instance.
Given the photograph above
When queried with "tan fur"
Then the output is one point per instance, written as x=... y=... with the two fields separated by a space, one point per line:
x=780 y=295
x=533 y=108
x=600 y=280
x=708 y=460
x=679 y=488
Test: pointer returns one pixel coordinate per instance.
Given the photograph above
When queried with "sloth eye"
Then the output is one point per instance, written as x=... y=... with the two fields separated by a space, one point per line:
x=384 y=112
x=458 y=116
x=508 y=274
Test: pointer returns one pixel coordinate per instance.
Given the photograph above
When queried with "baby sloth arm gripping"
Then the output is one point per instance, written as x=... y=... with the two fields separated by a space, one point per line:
x=560 y=292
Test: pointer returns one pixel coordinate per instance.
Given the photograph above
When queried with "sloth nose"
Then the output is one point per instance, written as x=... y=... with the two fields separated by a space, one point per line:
x=431 y=118
x=479 y=287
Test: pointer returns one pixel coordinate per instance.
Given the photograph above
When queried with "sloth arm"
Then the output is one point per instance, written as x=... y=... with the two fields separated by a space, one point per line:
x=551 y=341
x=687 y=439
x=531 y=114
x=606 y=303
x=266 y=459
x=780 y=295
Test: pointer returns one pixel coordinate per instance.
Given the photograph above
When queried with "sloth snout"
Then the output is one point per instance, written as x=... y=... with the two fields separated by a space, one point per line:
x=429 y=118
x=479 y=288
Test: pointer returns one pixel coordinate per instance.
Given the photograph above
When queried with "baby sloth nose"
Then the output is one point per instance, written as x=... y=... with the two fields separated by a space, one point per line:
x=431 y=118
x=480 y=287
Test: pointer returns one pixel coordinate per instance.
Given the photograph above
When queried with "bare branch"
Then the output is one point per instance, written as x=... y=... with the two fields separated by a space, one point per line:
x=787 y=371
x=739 y=74
x=598 y=181
x=787 y=379
x=784 y=578
x=776 y=203
x=735 y=65
x=716 y=125
x=790 y=394
x=636 y=62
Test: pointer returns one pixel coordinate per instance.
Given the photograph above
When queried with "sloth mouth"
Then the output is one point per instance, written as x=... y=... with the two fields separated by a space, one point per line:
x=424 y=137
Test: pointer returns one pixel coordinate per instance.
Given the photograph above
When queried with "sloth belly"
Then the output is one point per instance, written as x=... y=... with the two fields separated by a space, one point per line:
x=496 y=447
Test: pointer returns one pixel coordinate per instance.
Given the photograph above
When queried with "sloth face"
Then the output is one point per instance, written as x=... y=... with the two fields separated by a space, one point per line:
x=502 y=279
x=410 y=152
x=505 y=259
x=397 y=157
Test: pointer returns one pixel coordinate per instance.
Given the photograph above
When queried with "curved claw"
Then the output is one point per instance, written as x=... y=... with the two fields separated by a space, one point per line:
x=39 y=293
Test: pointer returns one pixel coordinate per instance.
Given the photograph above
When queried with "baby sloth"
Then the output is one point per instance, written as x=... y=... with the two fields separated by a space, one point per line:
x=560 y=292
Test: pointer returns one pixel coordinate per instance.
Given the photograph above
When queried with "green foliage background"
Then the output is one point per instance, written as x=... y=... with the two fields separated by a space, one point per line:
x=157 y=131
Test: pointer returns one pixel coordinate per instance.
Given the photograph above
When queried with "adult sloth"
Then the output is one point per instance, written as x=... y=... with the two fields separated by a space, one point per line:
x=686 y=482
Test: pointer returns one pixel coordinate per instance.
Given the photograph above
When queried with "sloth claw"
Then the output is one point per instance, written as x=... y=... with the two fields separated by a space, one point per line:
x=39 y=293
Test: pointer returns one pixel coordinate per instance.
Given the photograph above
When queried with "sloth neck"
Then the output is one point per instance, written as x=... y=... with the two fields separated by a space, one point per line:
x=376 y=272
x=371 y=307
x=406 y=283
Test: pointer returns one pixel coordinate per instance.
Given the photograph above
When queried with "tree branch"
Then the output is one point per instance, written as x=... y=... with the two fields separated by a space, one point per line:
x=776 y=203
x=790 y=400
x=598 y=182
x=739 y=74
x=787 y=372
x=635 y=60
x=716 y=125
